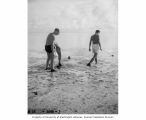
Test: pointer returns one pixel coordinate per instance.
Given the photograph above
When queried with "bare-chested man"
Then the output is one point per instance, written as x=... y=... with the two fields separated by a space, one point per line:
x=95 y=46
x=49 y=47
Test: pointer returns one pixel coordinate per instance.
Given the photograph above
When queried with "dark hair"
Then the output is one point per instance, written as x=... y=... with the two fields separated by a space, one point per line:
x=97 y=31
x=56 y=29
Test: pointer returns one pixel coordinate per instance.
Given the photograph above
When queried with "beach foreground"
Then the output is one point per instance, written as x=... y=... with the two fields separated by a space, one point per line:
x=75 y=88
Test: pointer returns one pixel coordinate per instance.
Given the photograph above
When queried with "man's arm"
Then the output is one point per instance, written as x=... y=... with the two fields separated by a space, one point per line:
x=90 y=44
x=100 y=45
x=47 y=40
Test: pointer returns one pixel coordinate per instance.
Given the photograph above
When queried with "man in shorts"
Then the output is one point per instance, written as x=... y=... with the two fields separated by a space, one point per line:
x=95 y=46
x=49 y=47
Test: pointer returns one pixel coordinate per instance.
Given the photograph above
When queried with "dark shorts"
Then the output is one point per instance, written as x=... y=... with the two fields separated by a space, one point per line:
x=48 y=48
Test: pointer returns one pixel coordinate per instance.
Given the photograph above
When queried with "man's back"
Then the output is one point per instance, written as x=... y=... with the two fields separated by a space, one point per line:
x=50 y=39
x=95 y=39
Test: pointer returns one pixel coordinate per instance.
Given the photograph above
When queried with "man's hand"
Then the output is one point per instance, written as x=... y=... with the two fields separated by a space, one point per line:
x=89 y=49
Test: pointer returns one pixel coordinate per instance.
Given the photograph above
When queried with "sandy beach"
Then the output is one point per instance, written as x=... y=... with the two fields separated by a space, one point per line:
x=75 y=88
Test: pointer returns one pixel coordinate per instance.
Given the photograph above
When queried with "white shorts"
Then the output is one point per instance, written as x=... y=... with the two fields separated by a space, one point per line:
x=95 y=48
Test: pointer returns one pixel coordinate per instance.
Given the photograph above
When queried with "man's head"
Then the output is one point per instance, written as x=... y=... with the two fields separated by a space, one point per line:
x=97 y=32
x=56 y=31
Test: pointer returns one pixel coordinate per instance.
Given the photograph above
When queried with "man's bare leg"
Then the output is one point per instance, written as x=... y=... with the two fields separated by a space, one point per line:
x=89 y=64
x=47 y=62
x=58 y=50
x=52 y=62
x=96 y=58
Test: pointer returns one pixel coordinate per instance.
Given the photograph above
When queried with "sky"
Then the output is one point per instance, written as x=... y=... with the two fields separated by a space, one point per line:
x=74 y=16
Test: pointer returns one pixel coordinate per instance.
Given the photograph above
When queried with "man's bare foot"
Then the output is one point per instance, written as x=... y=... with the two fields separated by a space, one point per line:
x=48 y=68
x=59 y=65
x=89 y=64
x=53 y=70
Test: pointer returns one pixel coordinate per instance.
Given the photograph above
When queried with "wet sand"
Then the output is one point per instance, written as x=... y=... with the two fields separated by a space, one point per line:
x=75 y=88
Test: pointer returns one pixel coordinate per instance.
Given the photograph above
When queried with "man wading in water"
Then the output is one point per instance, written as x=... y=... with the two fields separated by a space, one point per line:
x=95 y=46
